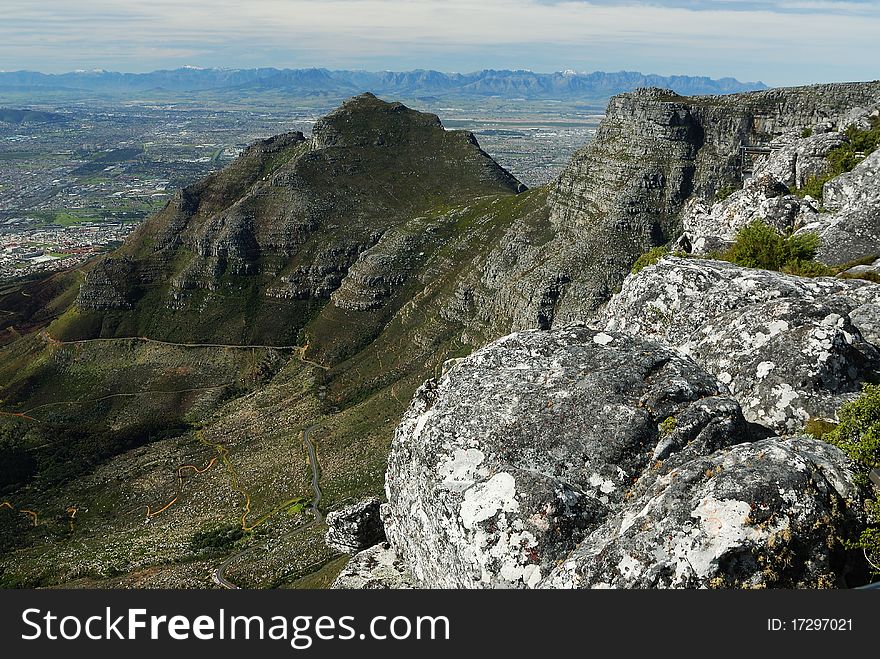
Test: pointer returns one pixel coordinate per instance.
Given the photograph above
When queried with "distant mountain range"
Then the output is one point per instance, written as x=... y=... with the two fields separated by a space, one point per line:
x=566 y=85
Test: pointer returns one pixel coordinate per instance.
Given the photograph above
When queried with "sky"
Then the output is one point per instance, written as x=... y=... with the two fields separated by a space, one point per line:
x=778 y=42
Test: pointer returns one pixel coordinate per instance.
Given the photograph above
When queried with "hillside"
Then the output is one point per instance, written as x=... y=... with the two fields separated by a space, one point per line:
x=12 y=116
x=156 y=403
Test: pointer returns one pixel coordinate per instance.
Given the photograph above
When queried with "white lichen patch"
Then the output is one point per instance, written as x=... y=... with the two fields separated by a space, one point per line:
x=764 y=369
x=629 y=567
x=459 y=472
x=785 y=395
x=775 y=327
x=603 y=339
x=420 y=424
x=485 y=500
x=723 y=526
x=529 y=574
x=604 y=485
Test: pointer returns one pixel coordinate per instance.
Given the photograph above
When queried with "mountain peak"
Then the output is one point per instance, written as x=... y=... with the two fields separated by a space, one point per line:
x=287 y=221
x=366 y=119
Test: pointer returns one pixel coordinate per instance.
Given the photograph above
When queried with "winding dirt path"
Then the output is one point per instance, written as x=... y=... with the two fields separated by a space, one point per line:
x=317 y=516
x=145 y=339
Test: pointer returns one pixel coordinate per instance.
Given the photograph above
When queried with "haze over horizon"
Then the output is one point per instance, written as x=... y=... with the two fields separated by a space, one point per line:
x=779 y=42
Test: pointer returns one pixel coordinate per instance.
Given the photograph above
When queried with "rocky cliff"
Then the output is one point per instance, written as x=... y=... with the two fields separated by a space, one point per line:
x=655 y=156
x=659 y=445
x=635 y=430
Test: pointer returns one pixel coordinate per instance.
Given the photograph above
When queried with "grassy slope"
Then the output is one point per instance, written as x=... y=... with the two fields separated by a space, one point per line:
x=238 y=441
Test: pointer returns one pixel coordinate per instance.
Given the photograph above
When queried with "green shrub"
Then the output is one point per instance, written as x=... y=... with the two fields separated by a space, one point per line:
x=759 y=245
x=218 y=539
x=807 y=132
x=858 y=435
x=813 y=186
x=649 y=258
x=667 y=426
x=819 y=428
x=865 y=141
x=725 y=191
x=843 y=159
x=808 y=269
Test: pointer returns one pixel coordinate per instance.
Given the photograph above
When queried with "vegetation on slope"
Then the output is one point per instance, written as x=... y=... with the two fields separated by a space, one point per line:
x=844 y=158
x=759 y=245
x=858 y=435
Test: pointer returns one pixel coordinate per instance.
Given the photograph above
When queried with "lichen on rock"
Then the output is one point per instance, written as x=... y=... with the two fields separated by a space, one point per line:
x=503 y=465
x=774 y=513
x=786 y=347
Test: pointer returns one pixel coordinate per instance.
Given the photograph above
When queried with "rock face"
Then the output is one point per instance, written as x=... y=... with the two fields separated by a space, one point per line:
x=355 y=527
x=851 y=229
x=502 y=467
x=376 y=568
x=582 y=458
x=626 y=192
x=714 y=228
x=765 y=515
x=796 y=163
x=786 y=347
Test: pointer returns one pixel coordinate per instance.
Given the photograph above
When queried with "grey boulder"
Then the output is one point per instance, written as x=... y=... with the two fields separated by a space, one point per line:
x=772 y=514
x=355 y=527
x=796 y=163
x=376 y=568
x=502 y=467
x=850 y=231
x=786 y=347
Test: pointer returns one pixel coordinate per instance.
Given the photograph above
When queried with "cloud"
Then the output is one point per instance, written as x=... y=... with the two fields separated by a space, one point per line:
x=784 y=39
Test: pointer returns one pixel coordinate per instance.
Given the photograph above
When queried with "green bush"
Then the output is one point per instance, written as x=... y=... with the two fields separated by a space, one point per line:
x=807 y=132
x=813 y=186
x=858 y=435
x=216 y=540
x=649 y=258
x=803 y=268
x=667 y=426
x=725 y=191
x=865 y=141
x=819 y=428
x=759 y=245
x=843 y=159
